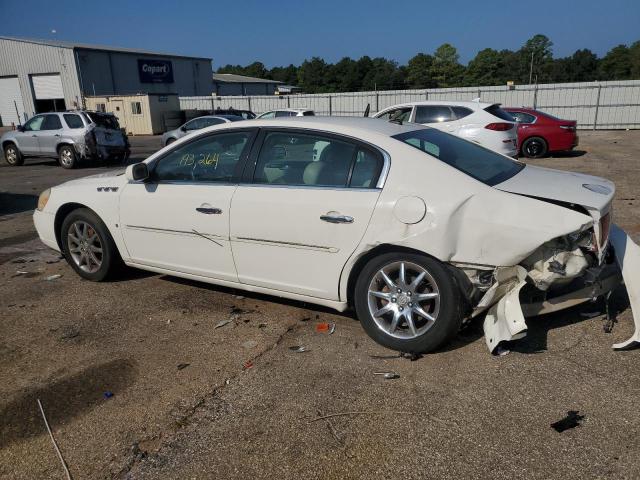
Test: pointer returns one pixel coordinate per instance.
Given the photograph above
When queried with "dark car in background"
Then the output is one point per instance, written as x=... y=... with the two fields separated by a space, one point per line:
x=540 y=133
x=245 y=114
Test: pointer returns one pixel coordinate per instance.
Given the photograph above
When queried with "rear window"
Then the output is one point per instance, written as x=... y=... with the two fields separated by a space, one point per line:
x=308 y=113
x=476 y=161
x=496 y=111
x=105 y=121
x=73 y=120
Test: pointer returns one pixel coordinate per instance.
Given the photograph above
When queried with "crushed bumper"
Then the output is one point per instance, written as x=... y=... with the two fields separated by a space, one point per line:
x=505 y=318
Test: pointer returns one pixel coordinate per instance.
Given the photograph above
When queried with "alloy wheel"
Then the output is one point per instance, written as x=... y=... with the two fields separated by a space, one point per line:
x=11 y=154
x=85 y=246
x=66 y=157
x=404 y=300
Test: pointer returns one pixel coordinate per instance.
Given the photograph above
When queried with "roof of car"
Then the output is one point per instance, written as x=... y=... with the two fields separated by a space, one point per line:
x=469 y=104
x=521 y=109
x=337 y=124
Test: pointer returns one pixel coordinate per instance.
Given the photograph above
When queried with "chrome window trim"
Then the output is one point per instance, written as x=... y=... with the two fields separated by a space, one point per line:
x=308 y=187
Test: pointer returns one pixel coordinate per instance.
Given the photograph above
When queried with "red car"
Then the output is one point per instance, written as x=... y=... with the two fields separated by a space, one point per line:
x=540 y=133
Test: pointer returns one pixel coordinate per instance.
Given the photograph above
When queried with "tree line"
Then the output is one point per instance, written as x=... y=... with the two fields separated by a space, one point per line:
x=533 y=61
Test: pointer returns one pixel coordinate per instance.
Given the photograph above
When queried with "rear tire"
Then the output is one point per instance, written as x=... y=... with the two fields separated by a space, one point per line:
x=420 y=312
x=88 y=246
x=534 y=147
x=67 y=157
x=12 y=155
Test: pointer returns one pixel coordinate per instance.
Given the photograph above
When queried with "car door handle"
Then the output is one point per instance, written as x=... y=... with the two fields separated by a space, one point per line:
x=57 y=135
x=35 y=136
x=334 y=218
x=209 y=210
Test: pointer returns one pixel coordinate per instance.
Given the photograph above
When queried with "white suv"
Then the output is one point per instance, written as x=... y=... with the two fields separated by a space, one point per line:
x=483 y=123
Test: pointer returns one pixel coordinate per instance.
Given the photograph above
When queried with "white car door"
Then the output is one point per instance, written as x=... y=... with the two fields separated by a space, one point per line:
x=436 y=116
x=179 y=219
x=304 y=210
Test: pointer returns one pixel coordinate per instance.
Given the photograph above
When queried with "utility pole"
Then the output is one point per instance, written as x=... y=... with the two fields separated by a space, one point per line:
x=531 y=69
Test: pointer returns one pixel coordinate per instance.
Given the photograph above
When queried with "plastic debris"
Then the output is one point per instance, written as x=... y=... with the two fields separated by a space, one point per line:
x=326 y=327
x=247 y=365
x=182 y=366
x=387 y=375
x=222 y=323
x=572 y=420
x=239 y=297
x=299 y=348
x=107 y=395
x=21 y=272
x=53 y=277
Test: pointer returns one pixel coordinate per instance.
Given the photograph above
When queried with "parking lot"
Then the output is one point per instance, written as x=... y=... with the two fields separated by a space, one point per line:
x=156 y=377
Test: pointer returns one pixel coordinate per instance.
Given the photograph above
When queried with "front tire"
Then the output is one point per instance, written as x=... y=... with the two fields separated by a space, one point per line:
x=534 y=147
x=67 y=157
x=12 y=155
x=88 y=246
x=408 y=302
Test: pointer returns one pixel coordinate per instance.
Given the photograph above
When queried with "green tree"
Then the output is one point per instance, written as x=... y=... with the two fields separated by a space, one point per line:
x=537 y=52
x=419 y=72
x=288 y=75
x=634 y=60
x=311 y=75
x=446 y=70
x=616 y=64
x=487 y=68
x=582 y=66
x=383 y=75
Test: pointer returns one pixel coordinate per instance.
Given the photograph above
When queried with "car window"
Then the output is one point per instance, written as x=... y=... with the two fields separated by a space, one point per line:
x=268 y=115
x=51 y=122
x=433 y=114
x=304 y=159
x=35 y=124
x=73 y=121
x=461 y=112
x=308 y=113
x=195 y=124
x=213 y=158
x=522 y=117
x=207 y=122
x=496 y=111
x=285 y=113
x=366 y=169
x=104 y=120
x=476 y=161
x=398 y=114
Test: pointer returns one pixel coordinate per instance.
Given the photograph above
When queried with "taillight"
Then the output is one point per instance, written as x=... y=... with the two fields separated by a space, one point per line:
x=605 y=223
x=499 y=126
x=571 y=128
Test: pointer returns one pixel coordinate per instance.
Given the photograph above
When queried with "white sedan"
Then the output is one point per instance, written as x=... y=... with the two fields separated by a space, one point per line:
x=414 y=228
x=483 y=123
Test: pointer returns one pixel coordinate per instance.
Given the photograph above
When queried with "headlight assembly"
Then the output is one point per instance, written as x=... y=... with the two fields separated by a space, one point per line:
x=43 y=199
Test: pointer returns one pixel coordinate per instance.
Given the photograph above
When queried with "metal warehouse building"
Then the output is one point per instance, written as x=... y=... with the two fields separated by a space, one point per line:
x=232 y=84
x=48 y=75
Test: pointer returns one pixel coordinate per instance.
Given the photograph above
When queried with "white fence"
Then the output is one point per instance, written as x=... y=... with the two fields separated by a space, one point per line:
x=595 y=105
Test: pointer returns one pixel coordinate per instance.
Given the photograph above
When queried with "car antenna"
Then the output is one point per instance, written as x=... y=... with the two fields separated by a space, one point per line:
x=366 y=110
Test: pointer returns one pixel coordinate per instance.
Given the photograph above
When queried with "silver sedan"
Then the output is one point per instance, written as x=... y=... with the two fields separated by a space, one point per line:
x=196 y=124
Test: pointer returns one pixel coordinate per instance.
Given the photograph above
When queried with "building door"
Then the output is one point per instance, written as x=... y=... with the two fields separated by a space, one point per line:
x=47 y=93
x=11 y=105
x=117 y=108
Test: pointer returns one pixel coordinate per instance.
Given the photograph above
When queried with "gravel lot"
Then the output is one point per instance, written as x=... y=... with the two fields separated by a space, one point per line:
x=184 y=404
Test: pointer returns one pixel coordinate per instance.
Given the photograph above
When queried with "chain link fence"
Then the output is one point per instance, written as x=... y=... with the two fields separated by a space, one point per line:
x=595 y=105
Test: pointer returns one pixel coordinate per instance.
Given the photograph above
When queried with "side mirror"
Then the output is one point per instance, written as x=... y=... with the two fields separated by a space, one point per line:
x=20 y=128
x=138 y=172
x=183 y=128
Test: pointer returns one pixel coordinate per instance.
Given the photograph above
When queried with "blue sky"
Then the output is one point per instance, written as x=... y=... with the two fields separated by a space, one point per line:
x=287 y=31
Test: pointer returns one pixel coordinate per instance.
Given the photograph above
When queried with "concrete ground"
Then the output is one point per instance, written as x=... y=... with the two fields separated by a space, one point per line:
x=193 y=399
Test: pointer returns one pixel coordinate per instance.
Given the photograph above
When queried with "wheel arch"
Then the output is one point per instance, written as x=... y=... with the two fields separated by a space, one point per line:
x=8 y=141
x=62 y=213
x=459 y=277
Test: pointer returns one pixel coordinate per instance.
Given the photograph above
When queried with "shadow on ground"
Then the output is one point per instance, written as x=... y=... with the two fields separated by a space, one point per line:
x=16 y=203
x=62 y=399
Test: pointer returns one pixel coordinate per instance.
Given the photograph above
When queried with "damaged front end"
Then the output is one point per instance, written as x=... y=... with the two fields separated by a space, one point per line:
x=561 y=273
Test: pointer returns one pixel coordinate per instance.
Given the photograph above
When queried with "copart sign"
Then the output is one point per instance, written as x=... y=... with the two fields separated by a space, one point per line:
x=155 y=71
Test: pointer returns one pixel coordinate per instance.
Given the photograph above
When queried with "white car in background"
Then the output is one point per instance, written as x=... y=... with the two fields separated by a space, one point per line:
x=197 y=123
x=414 y=228
x=483 y=123
x=287 y=112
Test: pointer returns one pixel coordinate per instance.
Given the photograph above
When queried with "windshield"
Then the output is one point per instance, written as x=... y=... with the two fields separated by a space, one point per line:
x=476 y=161
x=106 y=121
